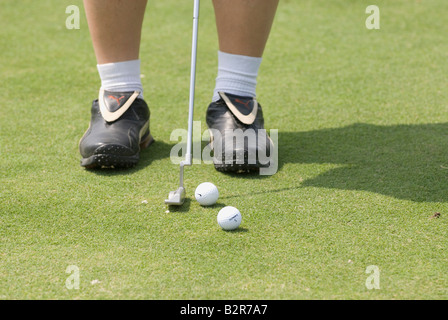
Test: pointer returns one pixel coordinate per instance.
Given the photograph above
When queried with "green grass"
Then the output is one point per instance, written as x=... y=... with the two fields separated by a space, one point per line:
x=363 y=161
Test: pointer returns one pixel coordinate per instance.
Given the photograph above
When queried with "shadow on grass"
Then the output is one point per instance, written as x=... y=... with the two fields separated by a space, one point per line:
x=402 y=161
x=217 y=206
x=238 y=230
x=185 y=207
x=266 y=192
x=161 y=150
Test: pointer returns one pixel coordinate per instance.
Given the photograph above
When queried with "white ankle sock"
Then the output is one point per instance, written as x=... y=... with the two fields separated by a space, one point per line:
x=237 y=74
x=121 y=76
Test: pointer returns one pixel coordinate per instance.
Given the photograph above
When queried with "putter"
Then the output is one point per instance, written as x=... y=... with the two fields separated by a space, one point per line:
x=177 y=197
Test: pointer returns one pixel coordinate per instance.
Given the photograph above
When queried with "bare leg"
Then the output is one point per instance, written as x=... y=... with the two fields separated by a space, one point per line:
x=244 y=25
x=243 y=30
x=115 y=27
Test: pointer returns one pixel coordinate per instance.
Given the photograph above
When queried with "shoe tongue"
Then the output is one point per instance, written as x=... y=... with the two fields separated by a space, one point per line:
x=114 y=104
x=115 y=100
x=244 y=105
x=243 y=108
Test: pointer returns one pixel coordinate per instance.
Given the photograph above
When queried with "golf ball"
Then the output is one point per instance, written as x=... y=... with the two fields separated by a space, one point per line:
x=229 y=218
x=206 y=194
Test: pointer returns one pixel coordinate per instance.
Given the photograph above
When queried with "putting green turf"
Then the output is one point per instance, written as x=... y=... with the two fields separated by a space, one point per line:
x=362 y=117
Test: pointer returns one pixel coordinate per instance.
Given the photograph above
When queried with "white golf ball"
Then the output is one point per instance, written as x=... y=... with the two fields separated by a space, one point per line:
x=206 y=194
x=229 y=218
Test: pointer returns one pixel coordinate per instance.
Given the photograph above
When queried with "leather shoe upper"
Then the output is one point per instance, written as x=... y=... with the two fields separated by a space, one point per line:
x=119 y=122
x=232 y=116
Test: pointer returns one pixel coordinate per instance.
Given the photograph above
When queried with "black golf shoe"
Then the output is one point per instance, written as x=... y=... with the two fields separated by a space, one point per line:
x=118 y=130
x=238 y=138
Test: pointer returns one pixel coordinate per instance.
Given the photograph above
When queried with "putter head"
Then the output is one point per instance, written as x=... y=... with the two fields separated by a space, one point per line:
x=176 y=198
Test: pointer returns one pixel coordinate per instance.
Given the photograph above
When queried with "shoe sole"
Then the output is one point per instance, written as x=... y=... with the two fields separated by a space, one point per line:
x=112 y=161
x=237 y=167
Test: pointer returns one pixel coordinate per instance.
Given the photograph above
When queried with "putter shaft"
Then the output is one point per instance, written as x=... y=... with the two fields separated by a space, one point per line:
x=177 y=197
